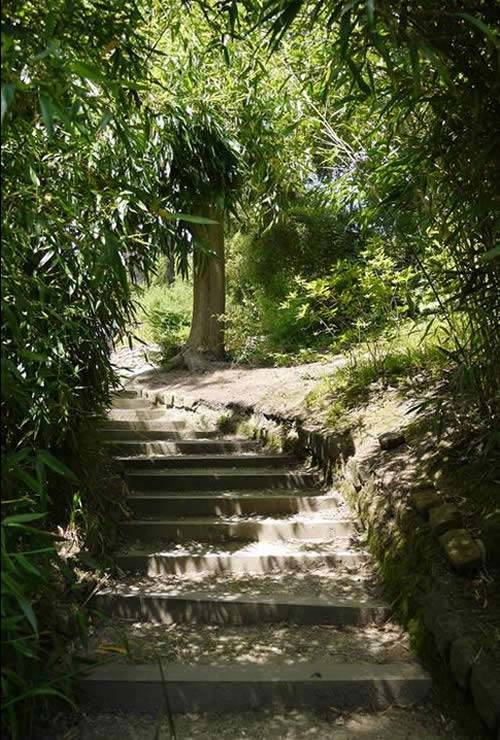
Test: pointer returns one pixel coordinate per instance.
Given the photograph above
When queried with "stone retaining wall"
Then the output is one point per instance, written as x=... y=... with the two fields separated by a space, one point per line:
x=472 y=668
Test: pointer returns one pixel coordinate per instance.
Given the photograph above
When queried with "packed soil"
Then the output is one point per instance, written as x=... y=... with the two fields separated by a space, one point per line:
x=145 y=642
x=279 y=390
x=330 y=724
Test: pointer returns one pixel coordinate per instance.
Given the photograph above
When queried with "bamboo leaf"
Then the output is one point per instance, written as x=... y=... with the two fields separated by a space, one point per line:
x=47 y=110
x=8 y=93
x=57 y=466
x=491 y=33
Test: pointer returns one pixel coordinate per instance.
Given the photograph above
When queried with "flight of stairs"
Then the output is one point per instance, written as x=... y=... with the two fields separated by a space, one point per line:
x=241 y=582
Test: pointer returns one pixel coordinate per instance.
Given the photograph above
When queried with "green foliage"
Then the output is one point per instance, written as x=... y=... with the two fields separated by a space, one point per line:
x=165 y=314
x=243 y=110
x=401 y=354
x=262 y=320
x=36 y=583
x=311 y=283
x=170 y=329
x=205 y=161
x=408 y=99
x=305 y=241
x=356 y=298
x=75 y=230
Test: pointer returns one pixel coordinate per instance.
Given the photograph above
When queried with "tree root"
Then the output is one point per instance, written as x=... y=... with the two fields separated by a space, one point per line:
x=194 y=360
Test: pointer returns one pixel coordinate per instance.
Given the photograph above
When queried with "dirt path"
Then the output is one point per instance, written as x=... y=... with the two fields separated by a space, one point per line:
x=280 y=390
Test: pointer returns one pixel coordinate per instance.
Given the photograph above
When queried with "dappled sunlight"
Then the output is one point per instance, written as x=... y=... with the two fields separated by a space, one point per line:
x=267 y=563
x=317 y=581
x=136 y=415
x=242 y=529
x=234 y=461
x=250 y=559
x=164 y=424
x=181 y=445
x=226 y=608
x=214 y=479
x=263 y=644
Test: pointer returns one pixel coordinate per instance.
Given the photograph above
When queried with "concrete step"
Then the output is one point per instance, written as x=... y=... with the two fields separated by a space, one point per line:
x=215 y=530
x=129 y=448
x=205 y=608
x=203 y=688
x=193 y=561
x=318 y=582
x=217 y=479
x=167 y=462
x=139 y=436
x=216 y=504
x=125 y=393
x=270 y=642
x=121 y=402
x=139 y=425
x=136 y=414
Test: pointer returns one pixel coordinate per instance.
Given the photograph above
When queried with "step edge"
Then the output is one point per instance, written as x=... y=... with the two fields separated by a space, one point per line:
x=267 y=673
x=200 y=597
x=208 y=495
x=222 y=472
x=310 y=554
x=219 y=521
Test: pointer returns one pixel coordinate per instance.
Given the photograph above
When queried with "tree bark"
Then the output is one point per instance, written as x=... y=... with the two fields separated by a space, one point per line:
x=206 y=338
x=170 y=271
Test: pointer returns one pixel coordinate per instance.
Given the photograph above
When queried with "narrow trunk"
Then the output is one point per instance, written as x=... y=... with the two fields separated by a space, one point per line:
x=170 y=273
x=207 y=331
x=206 y=339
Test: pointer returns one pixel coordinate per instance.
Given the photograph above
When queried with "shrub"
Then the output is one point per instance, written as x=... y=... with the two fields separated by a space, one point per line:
x=165 y=315
x=313 y=304
x=356 y=297
x=306 y=241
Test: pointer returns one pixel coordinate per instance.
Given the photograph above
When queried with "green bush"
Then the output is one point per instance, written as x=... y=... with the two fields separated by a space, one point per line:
x=306 y=241
x=355 y=298
x=72 y=236
x=285 y=304
x=165 y=314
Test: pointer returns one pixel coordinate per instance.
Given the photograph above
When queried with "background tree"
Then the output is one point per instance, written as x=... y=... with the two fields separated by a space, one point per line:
x=225 y=124
x=203 y=180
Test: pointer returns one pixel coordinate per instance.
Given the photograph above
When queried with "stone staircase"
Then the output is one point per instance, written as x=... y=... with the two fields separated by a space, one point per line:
x=242 y=583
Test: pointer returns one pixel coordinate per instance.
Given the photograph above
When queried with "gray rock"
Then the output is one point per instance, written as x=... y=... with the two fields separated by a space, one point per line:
x=391 y=440
x=446 y=629
x=443 y=518
x=461 y=550
x=463 y=655
x=485 y=688
x=425 y=499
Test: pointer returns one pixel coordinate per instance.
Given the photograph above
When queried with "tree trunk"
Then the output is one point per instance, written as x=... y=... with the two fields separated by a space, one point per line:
x=170 y=273
x=206 y=338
